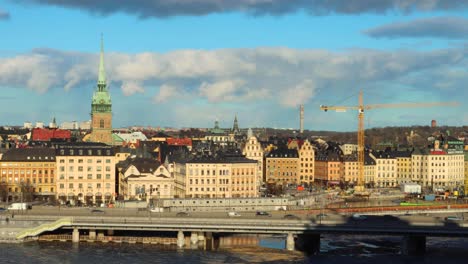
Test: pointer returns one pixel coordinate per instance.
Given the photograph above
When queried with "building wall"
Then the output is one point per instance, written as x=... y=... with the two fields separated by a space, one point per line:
x=86 y=178
x=306 y=164
x=386 y=172
x=438 y=171
x=282 y=170
x=350 y=171
x=403 y=170
x=156 y=185
x=221 y=180
x=466 y=174
x=369 y=173
x=101 y=131
x=38 y=175
x=334 y=170
x=321 y=170
x=253 y=150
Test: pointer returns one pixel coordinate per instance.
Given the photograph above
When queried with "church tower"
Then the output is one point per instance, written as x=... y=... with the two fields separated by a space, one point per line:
x=101 y=107
x=235 y=127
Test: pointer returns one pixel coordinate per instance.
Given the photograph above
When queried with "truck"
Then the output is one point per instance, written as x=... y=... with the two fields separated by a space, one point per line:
x=411 y=188
x=18 y=206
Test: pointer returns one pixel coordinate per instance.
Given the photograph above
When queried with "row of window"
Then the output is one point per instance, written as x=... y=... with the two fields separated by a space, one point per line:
x=82 y=161
x=81 y=168
x=89 y=177
x=80 y=185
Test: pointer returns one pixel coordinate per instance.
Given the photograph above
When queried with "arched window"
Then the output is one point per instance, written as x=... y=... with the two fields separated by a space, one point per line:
x=101 y=123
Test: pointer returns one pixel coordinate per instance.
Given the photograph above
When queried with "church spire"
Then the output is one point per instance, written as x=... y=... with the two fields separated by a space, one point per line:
x=102 y=72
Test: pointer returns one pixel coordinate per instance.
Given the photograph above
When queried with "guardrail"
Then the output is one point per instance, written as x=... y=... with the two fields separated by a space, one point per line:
x=45 y=227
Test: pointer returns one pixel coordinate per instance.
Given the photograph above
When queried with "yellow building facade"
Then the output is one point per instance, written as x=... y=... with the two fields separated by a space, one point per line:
x=28 y=174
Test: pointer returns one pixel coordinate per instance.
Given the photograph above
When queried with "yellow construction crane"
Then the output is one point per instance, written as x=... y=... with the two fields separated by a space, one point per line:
x=360 y=108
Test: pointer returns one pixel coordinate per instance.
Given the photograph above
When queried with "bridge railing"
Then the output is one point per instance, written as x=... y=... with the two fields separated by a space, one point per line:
x=45 y=227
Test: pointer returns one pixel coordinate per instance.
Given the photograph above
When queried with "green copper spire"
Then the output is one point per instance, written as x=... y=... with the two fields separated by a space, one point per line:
x=102 y=72
x=101 y=98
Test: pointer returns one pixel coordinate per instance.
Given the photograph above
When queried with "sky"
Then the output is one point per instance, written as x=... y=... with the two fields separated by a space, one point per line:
x=187 y=63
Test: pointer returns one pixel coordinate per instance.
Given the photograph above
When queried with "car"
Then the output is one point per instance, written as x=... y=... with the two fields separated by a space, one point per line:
x=358 y=217
x=233 y=214
x=291 y=217
x=2 y=209
x=97 y=211
x=262 y=213
x=453 y=218
x=182 y=214
x=156 y=210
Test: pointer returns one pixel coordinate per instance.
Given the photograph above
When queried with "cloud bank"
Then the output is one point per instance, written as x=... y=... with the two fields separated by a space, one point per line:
x=280 y=76
x=168 y=8
x=437 y=27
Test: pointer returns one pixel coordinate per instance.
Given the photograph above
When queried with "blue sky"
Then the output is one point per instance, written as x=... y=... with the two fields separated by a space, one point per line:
x=187 y=65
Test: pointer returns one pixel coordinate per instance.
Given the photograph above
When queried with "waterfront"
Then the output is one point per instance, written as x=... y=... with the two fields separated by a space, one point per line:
x=334 y=249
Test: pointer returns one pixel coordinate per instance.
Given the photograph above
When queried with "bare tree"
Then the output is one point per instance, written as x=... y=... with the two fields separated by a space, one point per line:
x=27 y=191
x=3 y=191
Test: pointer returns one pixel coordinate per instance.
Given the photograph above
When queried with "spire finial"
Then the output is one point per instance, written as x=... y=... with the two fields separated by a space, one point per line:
x=102 y=73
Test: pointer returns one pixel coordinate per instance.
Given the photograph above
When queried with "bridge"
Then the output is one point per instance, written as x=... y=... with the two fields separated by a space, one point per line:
x=301 y=231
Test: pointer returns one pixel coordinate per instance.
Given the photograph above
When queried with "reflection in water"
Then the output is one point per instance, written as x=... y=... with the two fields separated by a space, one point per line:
x=334 y=249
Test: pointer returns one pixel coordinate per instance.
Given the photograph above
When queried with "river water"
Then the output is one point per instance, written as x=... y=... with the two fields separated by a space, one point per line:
x=347 y=249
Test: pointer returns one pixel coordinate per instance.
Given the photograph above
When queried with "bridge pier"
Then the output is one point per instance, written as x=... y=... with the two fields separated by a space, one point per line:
x=413 y=245
x=209 y=241
x=76 y=235
x=92 y=234
x=180 y=239
x=309 y=244
x=194 y=238
x=290 y=242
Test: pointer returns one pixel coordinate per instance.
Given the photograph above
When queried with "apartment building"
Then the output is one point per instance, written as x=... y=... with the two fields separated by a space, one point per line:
x=222 y=176
x=281 y=166
x=27 y=174
x=253 y=150
x=85 y=173
x=386 y=169
x=306 y=164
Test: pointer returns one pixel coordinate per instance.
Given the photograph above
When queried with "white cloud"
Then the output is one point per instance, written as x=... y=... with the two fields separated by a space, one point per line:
x=239 y=75
x=297 y=95
x=166 y=91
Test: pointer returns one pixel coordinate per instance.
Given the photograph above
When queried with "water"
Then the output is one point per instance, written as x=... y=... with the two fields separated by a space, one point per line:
x=334 y=249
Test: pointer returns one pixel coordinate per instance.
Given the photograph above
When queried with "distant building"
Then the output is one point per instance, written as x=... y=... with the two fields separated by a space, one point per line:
x=27 y=125
x=45 y=134
x=39 y=125
x=348 y=149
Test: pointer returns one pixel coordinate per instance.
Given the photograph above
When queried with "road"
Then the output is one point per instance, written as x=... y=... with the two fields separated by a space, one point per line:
x=328 y=219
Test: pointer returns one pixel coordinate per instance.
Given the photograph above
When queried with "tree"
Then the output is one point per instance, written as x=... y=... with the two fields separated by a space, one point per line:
x=27 y=191
x=3 y=191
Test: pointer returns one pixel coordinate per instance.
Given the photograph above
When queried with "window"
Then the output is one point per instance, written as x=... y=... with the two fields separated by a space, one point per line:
x=70 y=185
x=98 y=176
x=90 y=176
x=101 y=123
x=98 y=185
